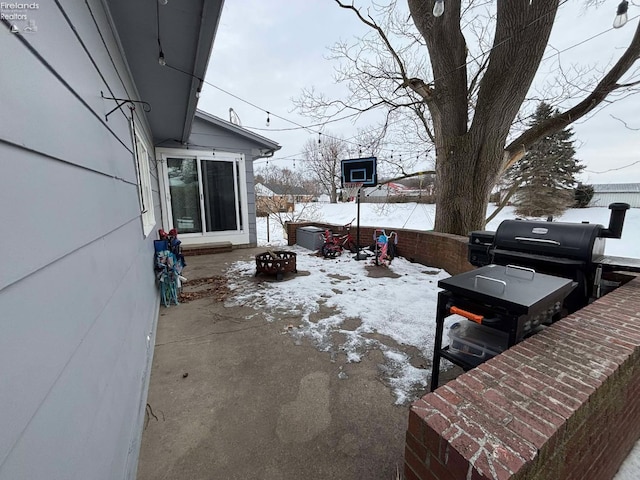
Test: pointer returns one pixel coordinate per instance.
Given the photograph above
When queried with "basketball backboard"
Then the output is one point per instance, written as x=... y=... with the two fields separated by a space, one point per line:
x=360 y=170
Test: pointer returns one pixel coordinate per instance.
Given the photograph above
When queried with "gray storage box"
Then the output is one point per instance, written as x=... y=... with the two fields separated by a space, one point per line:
x=310 y=237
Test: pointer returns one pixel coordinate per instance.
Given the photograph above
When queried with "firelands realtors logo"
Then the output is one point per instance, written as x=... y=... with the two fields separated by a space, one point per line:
x=19 y=14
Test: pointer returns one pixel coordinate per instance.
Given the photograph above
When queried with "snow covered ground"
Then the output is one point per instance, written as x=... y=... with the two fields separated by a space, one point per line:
x=396 y=312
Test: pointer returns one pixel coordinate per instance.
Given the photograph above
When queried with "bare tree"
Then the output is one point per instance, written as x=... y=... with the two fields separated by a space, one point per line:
x=465 y=104
x=322 y=161
x=284 y=195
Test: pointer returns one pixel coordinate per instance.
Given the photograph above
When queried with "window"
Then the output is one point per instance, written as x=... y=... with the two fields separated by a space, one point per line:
x=145 y=192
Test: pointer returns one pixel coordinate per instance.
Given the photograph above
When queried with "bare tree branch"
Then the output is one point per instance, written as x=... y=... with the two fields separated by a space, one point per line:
x=626 y=125
x=371 y=23
x=517 y=148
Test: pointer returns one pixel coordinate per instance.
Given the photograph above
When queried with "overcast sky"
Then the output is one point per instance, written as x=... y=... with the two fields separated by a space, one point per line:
x=266 y=52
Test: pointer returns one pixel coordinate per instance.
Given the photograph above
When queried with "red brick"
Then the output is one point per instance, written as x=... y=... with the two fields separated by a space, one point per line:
x=417 y=447
x=470 y=380
x=489 y=468
x=414 y=463
x=466 y=445
x=476 y=475
x=432 y=435
x=518 y=407
x=457 y=455
x=513 y=443
x=449 y=395
x=611 y=334
x=554 y=405
x=440 y=404
x=568 y=401
x=531 y=435
x=439 y=471
x=409 y=474
x=462 y=389
x=415 y=425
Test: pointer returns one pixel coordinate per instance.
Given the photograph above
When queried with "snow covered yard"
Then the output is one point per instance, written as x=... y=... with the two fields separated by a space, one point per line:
x=416 y=216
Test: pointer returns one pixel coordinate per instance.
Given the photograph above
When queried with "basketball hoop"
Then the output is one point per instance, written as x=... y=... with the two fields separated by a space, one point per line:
x=350 y=190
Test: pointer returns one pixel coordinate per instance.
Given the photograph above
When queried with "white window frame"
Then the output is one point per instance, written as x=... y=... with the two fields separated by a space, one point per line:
x=236 y=237
x=145 y=191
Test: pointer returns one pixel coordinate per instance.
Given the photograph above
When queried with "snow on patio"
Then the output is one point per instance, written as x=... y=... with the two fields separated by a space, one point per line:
x=402 y=308
x=399 y=305
x=324 y=299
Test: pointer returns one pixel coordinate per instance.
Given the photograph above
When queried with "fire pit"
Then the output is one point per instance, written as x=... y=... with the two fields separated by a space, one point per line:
x=276 y=263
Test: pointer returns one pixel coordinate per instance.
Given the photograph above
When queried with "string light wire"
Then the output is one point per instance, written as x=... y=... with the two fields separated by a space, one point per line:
x=310 y=128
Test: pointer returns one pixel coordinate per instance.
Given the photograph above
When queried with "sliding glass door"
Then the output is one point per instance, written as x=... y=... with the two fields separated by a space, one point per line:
x=205 y=195
x=220 y=196
x=184 y=189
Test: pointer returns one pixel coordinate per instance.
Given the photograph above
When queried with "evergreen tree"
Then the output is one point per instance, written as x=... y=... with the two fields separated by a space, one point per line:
x=583 y=195
x=547 y=173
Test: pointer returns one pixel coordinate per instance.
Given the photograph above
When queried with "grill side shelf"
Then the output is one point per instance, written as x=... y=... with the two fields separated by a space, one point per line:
x=611 y=263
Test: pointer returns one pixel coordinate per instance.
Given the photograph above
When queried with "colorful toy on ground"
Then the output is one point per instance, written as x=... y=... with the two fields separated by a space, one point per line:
x=169 y=263
x=385 y=247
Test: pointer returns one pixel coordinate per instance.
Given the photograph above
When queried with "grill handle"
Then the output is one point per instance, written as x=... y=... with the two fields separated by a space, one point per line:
x=521 y=269
x=537 y=240
x=502 y=283
x=465 y=313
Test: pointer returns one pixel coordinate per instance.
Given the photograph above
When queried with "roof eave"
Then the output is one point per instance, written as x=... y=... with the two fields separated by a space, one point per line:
x=262 y=142
x=208 y=32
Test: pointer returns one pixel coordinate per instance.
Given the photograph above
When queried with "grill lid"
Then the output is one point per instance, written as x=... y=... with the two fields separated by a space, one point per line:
x=517 y=289
x=554 y=239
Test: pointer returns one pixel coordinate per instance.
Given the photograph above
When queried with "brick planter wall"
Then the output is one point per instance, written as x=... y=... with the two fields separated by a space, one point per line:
x=439 y=250
x=561 y=405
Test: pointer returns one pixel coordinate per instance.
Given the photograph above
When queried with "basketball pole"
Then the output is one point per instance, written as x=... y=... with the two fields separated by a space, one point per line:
x=359 y=255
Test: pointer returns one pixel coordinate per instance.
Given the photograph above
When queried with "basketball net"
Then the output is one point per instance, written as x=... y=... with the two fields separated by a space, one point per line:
x=350 y=191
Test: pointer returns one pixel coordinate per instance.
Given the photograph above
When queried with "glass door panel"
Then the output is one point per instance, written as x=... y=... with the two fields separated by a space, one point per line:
x=185 y=194
x=218 y=186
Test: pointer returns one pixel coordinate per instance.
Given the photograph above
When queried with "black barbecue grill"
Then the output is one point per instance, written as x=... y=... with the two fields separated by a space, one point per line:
x=531 y=274
x=511 y=299
x=570 y=250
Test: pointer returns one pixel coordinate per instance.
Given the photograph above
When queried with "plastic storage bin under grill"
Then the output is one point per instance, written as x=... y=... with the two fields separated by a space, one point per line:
x=474 y=343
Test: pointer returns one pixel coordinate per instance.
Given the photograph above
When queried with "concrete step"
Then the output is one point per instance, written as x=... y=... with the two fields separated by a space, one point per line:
x=207 y=248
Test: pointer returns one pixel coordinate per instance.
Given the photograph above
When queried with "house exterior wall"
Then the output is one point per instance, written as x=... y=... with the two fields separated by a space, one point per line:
x=603 y=199
x=203 y=134
x=78 y=302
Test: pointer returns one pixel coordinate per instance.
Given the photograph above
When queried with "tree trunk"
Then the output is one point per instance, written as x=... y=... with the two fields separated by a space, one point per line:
x=469 y=159
x=466 y=170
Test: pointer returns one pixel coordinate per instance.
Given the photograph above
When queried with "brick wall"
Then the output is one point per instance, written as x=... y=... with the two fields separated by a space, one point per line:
x=440 y=250
x=561 y=405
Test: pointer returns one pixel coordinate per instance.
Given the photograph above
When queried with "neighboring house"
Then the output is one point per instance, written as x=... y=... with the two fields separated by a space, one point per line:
x=323 y=198
x=82 y=200
x=607 y=193
x=391 y=191
x=273 y=197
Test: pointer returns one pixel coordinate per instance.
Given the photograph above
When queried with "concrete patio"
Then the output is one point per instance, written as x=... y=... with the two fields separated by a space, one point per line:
x=236 y=397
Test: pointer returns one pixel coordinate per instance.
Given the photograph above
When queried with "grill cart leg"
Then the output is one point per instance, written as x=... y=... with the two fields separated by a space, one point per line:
x=441 y=313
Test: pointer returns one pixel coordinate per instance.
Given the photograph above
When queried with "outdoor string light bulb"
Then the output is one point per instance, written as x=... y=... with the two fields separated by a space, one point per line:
x=161 y=59
x=163 y=2
x=438 y=8
x=268 y=119
x=621 y=14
